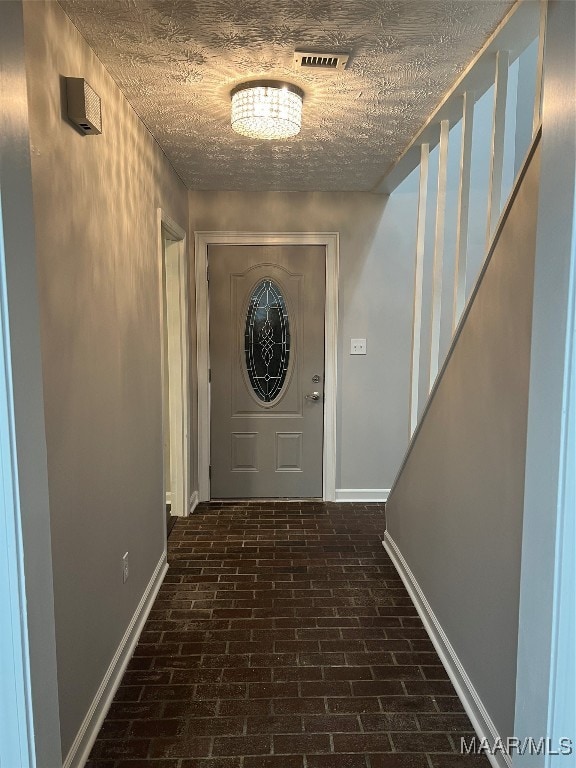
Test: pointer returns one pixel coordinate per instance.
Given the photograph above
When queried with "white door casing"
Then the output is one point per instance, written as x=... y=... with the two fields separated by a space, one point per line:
x=172 y=247
x=330 y=240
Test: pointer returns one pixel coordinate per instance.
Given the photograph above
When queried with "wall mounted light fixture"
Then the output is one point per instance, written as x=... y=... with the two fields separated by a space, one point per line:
x=267 y=109
x=84 y=107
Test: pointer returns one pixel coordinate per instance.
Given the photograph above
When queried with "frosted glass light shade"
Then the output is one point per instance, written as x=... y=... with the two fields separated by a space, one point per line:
x=267 y=109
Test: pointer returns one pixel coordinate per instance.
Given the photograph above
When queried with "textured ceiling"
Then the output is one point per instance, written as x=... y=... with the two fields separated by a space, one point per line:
x=177 y=60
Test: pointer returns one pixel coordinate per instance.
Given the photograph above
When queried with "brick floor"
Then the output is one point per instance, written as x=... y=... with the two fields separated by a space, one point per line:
x=283 y=637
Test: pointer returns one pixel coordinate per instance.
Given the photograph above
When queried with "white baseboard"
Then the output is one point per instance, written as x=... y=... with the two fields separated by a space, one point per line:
x=84 y=741
x=362 y=494
x=168 y=497
x=194 y=501
x=468 y=695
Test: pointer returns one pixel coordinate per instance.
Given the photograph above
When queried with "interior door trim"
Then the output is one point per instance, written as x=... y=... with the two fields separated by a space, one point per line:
x=176 y=367
x=331 y=242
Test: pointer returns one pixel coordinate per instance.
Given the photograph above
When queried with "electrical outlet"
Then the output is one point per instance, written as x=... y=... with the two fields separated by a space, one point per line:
x=125 y=568
x=357 y=346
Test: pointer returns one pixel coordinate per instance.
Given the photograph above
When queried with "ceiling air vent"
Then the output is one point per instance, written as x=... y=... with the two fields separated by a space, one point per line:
x=314 y=60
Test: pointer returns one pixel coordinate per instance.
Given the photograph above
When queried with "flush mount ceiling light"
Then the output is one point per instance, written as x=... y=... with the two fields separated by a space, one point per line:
x=267 y=109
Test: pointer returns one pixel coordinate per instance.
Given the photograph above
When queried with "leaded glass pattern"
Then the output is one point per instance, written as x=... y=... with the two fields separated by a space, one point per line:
x=267 y=340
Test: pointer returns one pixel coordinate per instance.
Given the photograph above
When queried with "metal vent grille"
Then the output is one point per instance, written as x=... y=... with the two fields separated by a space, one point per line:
x=315 y=60
x=93 y=108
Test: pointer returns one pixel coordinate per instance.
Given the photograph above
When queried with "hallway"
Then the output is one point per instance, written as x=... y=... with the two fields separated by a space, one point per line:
x=283 y=637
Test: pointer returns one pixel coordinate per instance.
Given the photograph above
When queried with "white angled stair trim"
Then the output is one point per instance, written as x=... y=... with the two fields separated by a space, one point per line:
x=475 y=709
x=194 y=501
x=362 y=494
x=86 y=736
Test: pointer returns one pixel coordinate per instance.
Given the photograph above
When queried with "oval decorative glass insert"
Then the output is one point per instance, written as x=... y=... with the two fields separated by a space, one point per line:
x=267 y=341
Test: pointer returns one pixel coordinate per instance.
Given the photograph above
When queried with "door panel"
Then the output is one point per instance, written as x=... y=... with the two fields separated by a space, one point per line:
x=266 y=346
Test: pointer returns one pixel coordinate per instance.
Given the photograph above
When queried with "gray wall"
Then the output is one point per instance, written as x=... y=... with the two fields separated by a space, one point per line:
x=99 y=289
x=546 y=680
x=455 y=512
x=377 y=248
x=27 y=589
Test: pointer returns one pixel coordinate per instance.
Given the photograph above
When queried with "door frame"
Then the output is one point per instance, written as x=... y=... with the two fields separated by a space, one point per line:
x=178 y=365
x=330 y=240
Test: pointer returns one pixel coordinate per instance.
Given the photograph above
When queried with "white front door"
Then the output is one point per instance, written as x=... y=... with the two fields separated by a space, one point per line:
x=267 y=306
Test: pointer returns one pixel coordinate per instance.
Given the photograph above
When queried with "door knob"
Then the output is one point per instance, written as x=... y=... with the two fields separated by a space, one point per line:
x=313 y=396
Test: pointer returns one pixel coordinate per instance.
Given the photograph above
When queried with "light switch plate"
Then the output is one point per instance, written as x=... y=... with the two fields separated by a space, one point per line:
x=357 y=346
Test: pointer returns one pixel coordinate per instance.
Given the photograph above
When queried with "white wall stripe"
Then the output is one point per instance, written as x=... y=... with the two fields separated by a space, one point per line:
x=460 y=261
x=438 y=267
x=497 y=150
x=418 y=279
x=540 y=67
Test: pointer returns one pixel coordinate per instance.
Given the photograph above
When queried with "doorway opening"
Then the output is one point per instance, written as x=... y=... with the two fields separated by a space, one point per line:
x=175 y=369
x=267 y=371
x=288 y=448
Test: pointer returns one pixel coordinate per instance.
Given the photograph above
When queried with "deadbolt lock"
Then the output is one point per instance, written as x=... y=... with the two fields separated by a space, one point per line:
x=316 y=378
